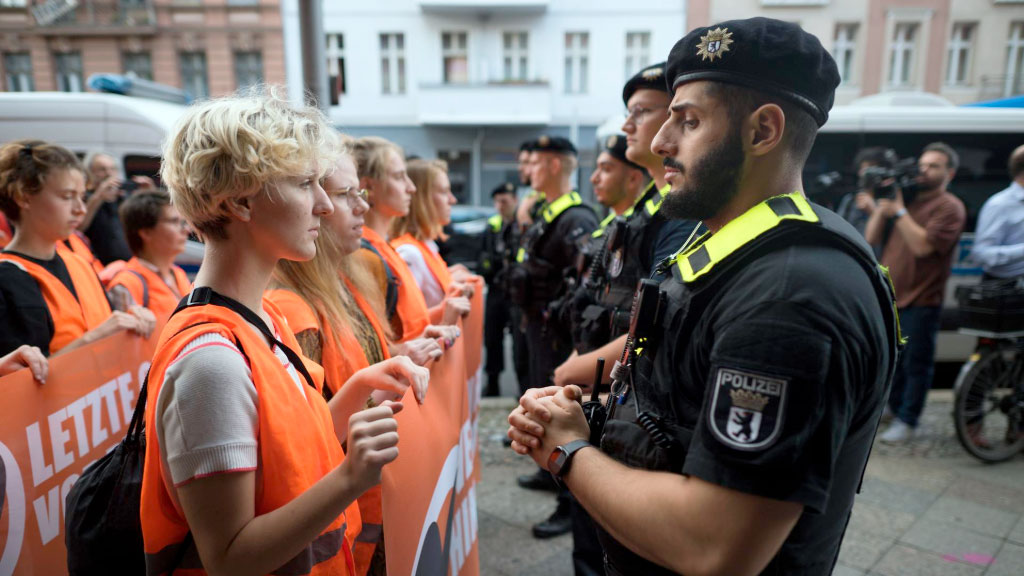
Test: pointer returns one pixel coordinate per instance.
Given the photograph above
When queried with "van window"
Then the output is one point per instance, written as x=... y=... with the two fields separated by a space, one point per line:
x=139 y=165
x=982 y=172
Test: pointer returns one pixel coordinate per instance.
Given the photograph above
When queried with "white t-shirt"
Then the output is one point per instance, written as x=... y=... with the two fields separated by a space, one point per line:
x=206 y=412
x=431 y=288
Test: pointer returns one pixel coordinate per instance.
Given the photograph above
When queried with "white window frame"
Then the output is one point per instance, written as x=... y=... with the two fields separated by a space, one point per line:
x=1014 y=60
x=457 y=49
x=577 y=60
x=19 y=79
x=515 y=56
x=335 y=54
x=844 y=51
x=68 y=80
x=959 y=53
x=638 y=52
x=903 y=54
x=392 y=63
x=196 y=83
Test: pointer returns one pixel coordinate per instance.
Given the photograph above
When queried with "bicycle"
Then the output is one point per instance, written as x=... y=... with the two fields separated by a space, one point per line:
x=988 y=408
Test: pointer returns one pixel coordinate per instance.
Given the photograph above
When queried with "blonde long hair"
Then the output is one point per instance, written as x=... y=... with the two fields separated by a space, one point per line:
x=422 y=221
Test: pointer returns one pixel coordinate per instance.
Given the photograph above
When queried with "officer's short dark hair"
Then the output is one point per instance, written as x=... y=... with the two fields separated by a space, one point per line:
x=876 y=156
x=952 y=158
x=141 y=211
x=801 y=127
x=1016 y=162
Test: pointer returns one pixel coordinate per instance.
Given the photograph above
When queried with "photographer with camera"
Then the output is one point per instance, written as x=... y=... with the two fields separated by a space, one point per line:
x=871 y=164
x=926 y=224
x=105 y=190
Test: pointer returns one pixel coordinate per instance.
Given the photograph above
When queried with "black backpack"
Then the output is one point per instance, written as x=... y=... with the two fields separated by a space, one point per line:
x=102 y=521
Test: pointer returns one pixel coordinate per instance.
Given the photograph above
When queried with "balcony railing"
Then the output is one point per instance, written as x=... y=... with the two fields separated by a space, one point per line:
x=485 y=104
x=88 y=17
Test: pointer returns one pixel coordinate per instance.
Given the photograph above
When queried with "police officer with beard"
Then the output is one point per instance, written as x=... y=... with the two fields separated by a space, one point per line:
x=743 y=414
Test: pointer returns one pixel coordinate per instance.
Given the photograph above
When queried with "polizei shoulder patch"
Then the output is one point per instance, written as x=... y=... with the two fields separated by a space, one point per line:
x=747 y=410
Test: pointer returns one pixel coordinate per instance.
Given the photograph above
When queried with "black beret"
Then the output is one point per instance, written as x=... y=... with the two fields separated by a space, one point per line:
x=555 y=144
x=650 y=78
x=528 y=146
x=504 y=188
x=615 y=145
x=765 y=54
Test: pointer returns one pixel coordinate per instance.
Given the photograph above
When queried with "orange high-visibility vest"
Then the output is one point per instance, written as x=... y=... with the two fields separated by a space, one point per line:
x=438 y=267
x=76 y=244
x=72 y=317
x=339 y=365
x=411 y=313
x=297 y=445
x=149 y=289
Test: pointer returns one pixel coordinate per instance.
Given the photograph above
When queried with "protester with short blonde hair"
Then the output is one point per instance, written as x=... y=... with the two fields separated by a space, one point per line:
x=243 y=456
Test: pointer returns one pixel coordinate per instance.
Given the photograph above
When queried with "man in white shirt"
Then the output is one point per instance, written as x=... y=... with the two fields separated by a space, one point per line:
x=999 y=238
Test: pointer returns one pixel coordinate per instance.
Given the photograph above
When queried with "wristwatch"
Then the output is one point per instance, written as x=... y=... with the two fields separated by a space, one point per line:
x=561 y=457
x=899 y=214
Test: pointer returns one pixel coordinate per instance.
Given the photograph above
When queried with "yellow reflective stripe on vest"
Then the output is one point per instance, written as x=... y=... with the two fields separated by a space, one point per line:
x=560 y=205
x=604 y=224
x=900 y=339
x=654 y=204
x=703 y=256
x=521 y=255
x=629 y=212
x=495 y=222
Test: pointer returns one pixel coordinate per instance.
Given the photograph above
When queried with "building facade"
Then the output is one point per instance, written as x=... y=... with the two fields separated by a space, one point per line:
x=963 y=50
x=468 y=80
x=206 y=47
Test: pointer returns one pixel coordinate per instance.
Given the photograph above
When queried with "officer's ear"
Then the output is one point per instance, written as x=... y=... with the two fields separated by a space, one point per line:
x=765 y=128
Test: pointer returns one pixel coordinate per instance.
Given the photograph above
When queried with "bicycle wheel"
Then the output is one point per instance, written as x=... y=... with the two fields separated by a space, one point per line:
x=987 y=412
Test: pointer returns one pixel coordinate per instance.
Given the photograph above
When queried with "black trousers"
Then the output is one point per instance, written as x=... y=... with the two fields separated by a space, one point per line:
x=520 y=352
x=496 y=319
x=546 y=352
x=587 y=554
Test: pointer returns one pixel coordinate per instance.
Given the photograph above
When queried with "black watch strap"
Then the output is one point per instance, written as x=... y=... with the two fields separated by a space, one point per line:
x=566 y=453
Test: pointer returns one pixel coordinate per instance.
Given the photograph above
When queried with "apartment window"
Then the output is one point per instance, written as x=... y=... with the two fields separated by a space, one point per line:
x=456 y=57
x=515 y=49
x=638 y=52
x=193 y=74
x=901 y=54
x=336 y=67
x=844 y=44
x=138 y=63
x=392 y=63
x=12 y=3
x=1015 y=61
x=18 y=72
x=576 y=47
x=248 y=69
x=958 y=57
x=69 y=71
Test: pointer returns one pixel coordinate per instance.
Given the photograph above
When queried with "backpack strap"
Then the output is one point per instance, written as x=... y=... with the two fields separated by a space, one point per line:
x=391 y=295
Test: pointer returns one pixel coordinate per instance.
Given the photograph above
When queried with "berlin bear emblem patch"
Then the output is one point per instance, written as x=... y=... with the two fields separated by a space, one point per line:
x=746 y=412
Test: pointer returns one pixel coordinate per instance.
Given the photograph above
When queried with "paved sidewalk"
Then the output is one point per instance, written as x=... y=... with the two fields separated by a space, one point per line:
x=926 y=509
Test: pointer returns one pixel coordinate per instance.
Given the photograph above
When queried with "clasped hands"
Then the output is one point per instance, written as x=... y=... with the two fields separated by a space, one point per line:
x=546 y=418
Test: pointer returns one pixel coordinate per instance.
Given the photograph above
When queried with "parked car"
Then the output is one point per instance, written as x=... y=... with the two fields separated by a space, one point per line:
x=465 y=235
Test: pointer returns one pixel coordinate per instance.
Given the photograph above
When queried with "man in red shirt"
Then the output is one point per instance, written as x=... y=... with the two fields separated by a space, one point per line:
x=918 y=251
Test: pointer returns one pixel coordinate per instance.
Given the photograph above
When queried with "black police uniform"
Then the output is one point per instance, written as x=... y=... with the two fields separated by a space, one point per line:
x=769 y=354
x=496 y=313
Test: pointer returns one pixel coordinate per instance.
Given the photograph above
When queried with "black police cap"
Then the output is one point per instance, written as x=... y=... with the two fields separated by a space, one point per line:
x=765 y=54
x=615 y=146
x=555 y=144
x=504 y=188
x=528 y=146
x=650 y=78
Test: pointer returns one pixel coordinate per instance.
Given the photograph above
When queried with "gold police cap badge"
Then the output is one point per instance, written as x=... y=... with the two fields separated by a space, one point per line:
x=715 y=43
x=652 y=73
x=544 y=141
x=510 y=187
x=612 y=141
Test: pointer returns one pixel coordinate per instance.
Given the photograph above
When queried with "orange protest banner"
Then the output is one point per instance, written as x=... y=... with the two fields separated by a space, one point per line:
x=49 y=433
x=430 y=515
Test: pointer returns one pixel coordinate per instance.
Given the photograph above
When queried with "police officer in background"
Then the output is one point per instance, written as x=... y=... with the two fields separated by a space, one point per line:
x=548 y=248
x=738 y=434
x=496 y=314
x=642 y=239
x=513 y=236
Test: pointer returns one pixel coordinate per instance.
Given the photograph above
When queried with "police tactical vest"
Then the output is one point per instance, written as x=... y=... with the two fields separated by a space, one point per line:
x=658 y=438
x=530 y=268
x=625 y=262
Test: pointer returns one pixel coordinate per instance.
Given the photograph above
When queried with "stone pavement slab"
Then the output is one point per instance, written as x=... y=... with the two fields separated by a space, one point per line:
x=1009 y=562
x=906 y=561
x=975 y=517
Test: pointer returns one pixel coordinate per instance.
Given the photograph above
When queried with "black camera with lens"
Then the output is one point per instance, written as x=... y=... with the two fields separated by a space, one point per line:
x=884 y=180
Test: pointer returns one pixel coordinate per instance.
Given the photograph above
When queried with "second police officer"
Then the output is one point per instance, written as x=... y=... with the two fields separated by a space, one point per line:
x=743 y=415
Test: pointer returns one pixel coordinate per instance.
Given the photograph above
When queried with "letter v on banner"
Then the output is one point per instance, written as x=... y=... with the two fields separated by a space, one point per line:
x=49 y=434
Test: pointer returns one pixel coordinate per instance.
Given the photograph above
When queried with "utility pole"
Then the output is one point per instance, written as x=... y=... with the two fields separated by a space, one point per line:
x=314 y=63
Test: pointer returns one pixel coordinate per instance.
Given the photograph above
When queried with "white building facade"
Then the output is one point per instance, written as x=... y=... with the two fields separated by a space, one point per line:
x=468 y=80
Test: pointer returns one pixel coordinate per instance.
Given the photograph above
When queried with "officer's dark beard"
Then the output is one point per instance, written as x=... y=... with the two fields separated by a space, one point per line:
x=710 y=183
